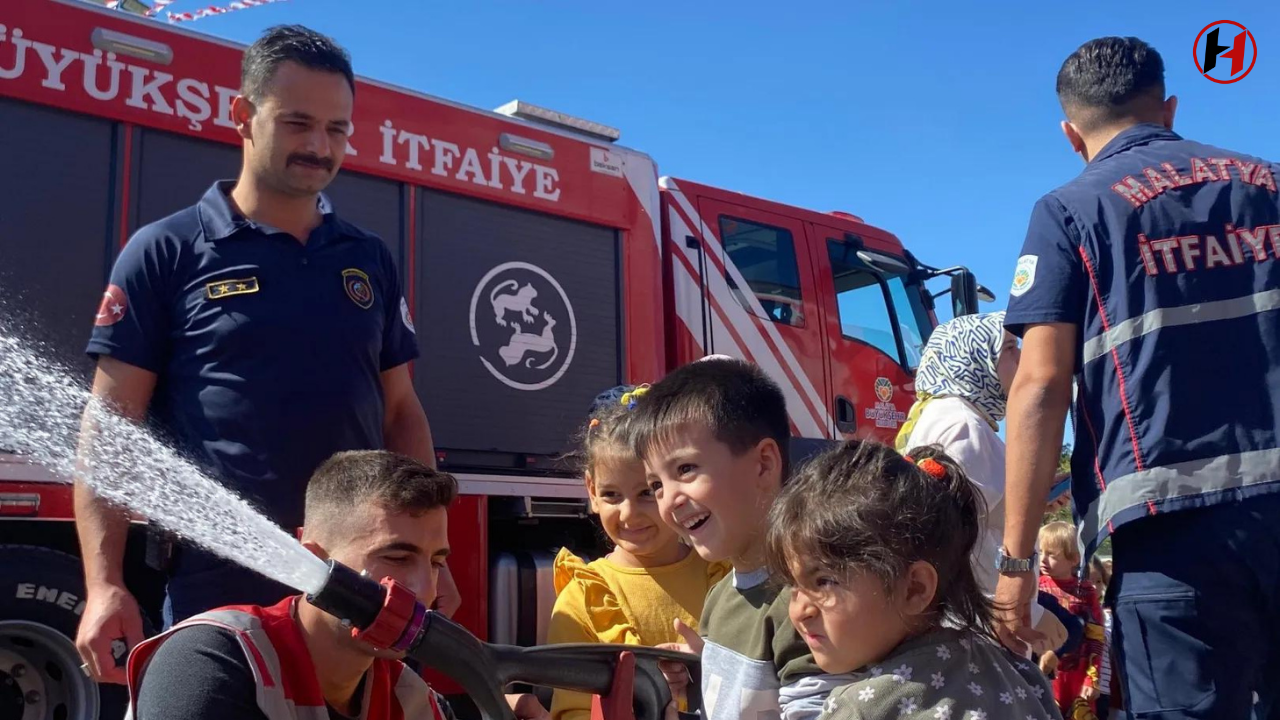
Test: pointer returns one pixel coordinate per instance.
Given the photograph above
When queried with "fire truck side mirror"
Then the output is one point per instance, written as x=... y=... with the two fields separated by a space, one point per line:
x=964 y=293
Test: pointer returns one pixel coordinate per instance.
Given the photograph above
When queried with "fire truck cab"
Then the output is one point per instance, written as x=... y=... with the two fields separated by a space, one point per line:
x=542 y=261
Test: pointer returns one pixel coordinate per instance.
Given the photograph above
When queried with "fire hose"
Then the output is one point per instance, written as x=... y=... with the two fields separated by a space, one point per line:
x=388 y=616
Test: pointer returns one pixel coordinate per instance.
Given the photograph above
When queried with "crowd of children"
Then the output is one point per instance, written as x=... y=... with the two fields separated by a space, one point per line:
x=844 y=589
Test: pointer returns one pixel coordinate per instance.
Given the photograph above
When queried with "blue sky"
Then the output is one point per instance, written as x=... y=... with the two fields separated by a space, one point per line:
x=935 y=122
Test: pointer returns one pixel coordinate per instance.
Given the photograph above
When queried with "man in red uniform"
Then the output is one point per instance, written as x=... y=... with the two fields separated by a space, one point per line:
x=370 y=510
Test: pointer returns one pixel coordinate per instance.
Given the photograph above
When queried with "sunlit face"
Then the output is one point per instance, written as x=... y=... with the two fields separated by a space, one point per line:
x=296 y=135
x=1056 y=564
x=411 y=549
x=849 y=621
x=621 y=496
x=1007 y=364
x=717 y=500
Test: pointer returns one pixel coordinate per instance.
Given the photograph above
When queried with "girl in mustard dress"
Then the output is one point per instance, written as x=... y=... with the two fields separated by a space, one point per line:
x=634 y=594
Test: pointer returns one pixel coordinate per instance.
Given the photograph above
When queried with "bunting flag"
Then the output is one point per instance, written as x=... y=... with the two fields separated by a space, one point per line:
x=159 y=5
x=214 y=10
x=150 y=12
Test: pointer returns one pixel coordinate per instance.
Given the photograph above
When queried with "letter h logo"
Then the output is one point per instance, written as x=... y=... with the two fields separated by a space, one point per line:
x=1243 y=48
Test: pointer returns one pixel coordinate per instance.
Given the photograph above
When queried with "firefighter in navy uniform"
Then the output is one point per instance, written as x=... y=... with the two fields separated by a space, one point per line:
x=1153 y=281
x=258 y=330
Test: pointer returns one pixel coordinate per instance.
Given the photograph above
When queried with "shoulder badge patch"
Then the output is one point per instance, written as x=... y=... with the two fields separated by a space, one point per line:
x=226 y=288
x=405 y=316
x=112 y=308
x=1024 y=275
x=358 y=287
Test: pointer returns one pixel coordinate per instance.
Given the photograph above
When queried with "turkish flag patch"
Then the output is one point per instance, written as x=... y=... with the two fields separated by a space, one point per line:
x=113 y=307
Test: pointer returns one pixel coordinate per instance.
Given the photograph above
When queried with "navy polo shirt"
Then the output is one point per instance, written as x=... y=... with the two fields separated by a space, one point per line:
x=1165 y=254
x=268 y=351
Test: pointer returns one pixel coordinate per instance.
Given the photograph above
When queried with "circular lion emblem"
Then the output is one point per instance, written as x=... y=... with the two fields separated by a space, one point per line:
x=523 y=326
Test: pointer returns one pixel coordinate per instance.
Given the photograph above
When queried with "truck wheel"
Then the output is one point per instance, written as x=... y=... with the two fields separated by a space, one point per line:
x=41 y=599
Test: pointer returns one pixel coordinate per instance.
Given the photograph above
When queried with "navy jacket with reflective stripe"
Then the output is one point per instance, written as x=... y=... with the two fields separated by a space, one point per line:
x=1166 y=255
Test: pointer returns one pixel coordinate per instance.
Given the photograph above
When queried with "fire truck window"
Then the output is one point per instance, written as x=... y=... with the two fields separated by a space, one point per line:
x=913 y=319
x=766 y=257
x=861 y=301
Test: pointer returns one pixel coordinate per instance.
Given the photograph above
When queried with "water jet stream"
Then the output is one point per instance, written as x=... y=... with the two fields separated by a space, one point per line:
x=41 y=407
x=41 y=410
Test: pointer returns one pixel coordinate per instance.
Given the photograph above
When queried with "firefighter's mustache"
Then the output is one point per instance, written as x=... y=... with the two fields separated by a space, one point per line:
x=311 y=160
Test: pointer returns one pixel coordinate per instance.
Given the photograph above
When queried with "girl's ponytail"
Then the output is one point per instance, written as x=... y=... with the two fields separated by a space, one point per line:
x=959 y=595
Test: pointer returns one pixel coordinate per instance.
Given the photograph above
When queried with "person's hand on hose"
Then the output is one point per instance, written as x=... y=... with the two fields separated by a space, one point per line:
x=111 y=617
x=676 y=673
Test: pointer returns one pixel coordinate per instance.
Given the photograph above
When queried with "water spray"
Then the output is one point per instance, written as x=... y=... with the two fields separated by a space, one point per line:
x=129 y=467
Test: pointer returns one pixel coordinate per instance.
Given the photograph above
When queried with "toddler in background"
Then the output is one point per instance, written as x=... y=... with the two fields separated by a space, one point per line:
x=1076 y=681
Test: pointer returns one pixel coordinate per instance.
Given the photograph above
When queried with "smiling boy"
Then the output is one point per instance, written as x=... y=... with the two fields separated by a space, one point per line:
x=713 y=435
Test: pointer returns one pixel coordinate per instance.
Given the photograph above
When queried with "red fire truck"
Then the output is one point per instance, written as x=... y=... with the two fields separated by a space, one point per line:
x=543 y=262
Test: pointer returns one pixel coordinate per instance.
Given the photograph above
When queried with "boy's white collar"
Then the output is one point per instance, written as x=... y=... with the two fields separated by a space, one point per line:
x=746 y=580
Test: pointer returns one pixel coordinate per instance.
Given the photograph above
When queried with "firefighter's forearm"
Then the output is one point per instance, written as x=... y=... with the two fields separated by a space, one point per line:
x=103 y=530
x=1036 y=416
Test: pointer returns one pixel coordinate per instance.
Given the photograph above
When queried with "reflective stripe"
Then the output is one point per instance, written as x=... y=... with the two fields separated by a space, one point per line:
x=1134 y=328
x=272 y=699
x=253 y=640
x=262 y=656
x=412 y=696
x=1181 y=480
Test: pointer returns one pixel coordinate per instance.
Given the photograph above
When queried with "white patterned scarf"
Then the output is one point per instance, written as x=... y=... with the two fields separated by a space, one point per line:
x=960 y=361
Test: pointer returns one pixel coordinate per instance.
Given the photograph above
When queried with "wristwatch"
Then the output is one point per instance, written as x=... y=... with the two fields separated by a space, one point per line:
x=1007 y=565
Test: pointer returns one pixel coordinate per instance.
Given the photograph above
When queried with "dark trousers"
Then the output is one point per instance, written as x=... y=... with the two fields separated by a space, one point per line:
x=200 y=581
x=1196 y=598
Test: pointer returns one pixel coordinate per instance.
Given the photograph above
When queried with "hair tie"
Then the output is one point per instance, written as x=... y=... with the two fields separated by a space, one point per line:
x=629 y=399
x=933 y=468
x=595 y=422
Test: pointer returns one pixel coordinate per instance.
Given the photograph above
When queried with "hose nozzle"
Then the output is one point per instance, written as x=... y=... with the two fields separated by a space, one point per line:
x=386 y=615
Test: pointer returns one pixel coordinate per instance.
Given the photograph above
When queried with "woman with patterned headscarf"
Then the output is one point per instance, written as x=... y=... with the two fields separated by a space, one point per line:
x=961 y=387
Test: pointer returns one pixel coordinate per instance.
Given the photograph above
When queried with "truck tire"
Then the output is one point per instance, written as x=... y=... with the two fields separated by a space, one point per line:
x=41 y=598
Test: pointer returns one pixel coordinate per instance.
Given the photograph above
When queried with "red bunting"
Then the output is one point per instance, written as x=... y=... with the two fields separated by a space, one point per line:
x=213 y=9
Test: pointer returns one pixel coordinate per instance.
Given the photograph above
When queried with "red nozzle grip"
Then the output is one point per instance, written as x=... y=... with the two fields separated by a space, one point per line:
x=397 y=612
